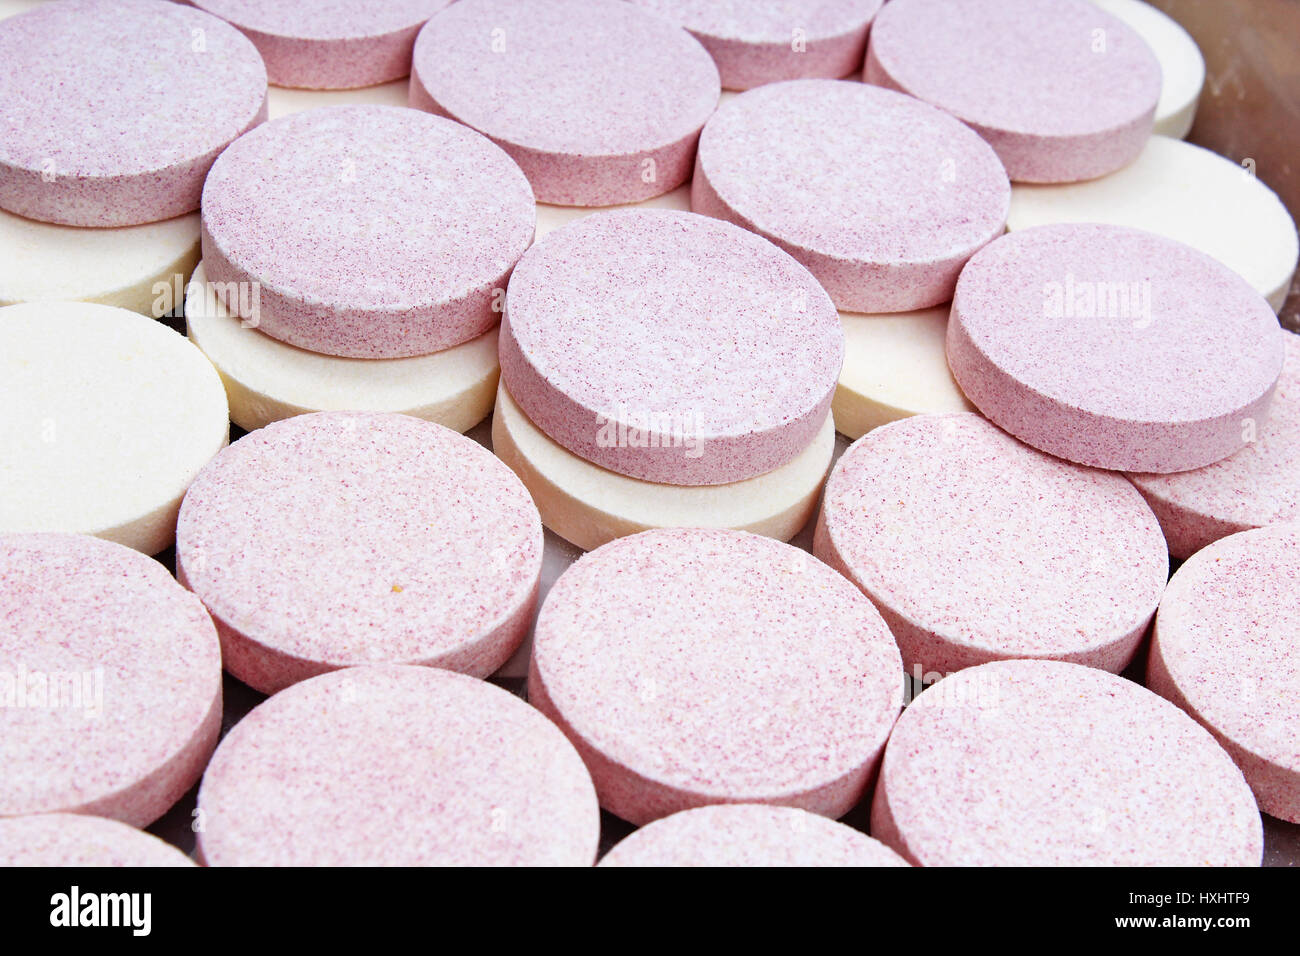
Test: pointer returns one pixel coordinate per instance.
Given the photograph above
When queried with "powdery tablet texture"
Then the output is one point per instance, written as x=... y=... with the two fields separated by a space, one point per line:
x=365 y=231
x=598 y=101
x=694 y=667
x=110 y=676
x=1113 y=347
x=1043 y=763
x=1061 y=89
x=670 y=347
x=114 y=110
x=1186 y=193
x=1225 y=651
x=344 y=538
x=329 y=44
x=65 y=839
x=108 y=417
x=267 y=380
x=764 y=41
x=927 y=191
x=749 y=835
x=396 y=766
x=1259 y=485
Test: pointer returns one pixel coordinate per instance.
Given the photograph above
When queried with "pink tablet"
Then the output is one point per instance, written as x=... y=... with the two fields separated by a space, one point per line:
x=113 y=110
x=598 y=101
x=1061 y=89
x=927 y=192
x=670 y=347
x=66 y=839
x=396 y=766
x=365 y=231
x=1113 y=347
x=694 y=667
x=110 y=680
x=344 y=538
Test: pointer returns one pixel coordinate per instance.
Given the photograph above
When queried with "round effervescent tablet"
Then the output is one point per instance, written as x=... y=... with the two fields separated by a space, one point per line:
x=281 y=101
x=589 y=506
x=365 y=231
x=765 y=41
x=70 y=839
x=598 y=101
x=1258 y=486
x=1114 y=347
x=110 y=680
x=1061 y=89
x=1045 y=763
x=1226 y=651
x=106 y=416
x=927 y=192
x=670 y=347
x=749 y=835
x=343 y=538
x=113 y=110
x=329 y=44
x=396 y=766
x=1187 y=193
x=1182 y=67
x=692 y=667
x=267 y=380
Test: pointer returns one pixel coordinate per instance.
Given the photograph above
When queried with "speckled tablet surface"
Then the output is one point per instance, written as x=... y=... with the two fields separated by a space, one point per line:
x=1187 y=193
x=110 y=676
x=765 y=41
x=670 y=347
x=693 y=667
x=281 y=101
x=1259 y=485
x=1182 y=67
x=598 y=101
x=114 y=110
x=1225 y=650
x=396 y=766
x=344 y=538
x=108 y=416
x=267 y=380
x=1061 y=89
x=329 y=44
x=66 y=839
x=927 y=191
x=1043 y=763
x=366 y=231
x=749 y=835
x=590 y=506
x=1113 y=347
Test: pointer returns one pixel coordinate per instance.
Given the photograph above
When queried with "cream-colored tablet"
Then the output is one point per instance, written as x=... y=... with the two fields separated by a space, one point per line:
x=589 y=506
x=267 y=380
x=281 y=100
x=105 y=418
x=895 y=365
x=1186 y=193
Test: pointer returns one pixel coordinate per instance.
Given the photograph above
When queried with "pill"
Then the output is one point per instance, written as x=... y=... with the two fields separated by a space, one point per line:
x=67 y=839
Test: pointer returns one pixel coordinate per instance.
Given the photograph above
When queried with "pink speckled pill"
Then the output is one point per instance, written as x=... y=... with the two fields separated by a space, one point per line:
x=749 y=835
x=670 y=347
x=1226 y=651
x=927 y=192
x=1045 y=763
x=113 y=110
x=764 y=41
x=1113 y=347
x=329 y=44
x=1061 y=89
x=66 y=839
x=396 y=766
x=365 y=231
x=1259 y=485
x=599 y=102
x=110 y=680
x=693 y=667
x=975 y=547
x=343 y=538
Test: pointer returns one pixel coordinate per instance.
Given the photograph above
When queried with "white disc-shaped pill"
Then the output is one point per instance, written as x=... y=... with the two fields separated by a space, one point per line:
x=67 y=839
